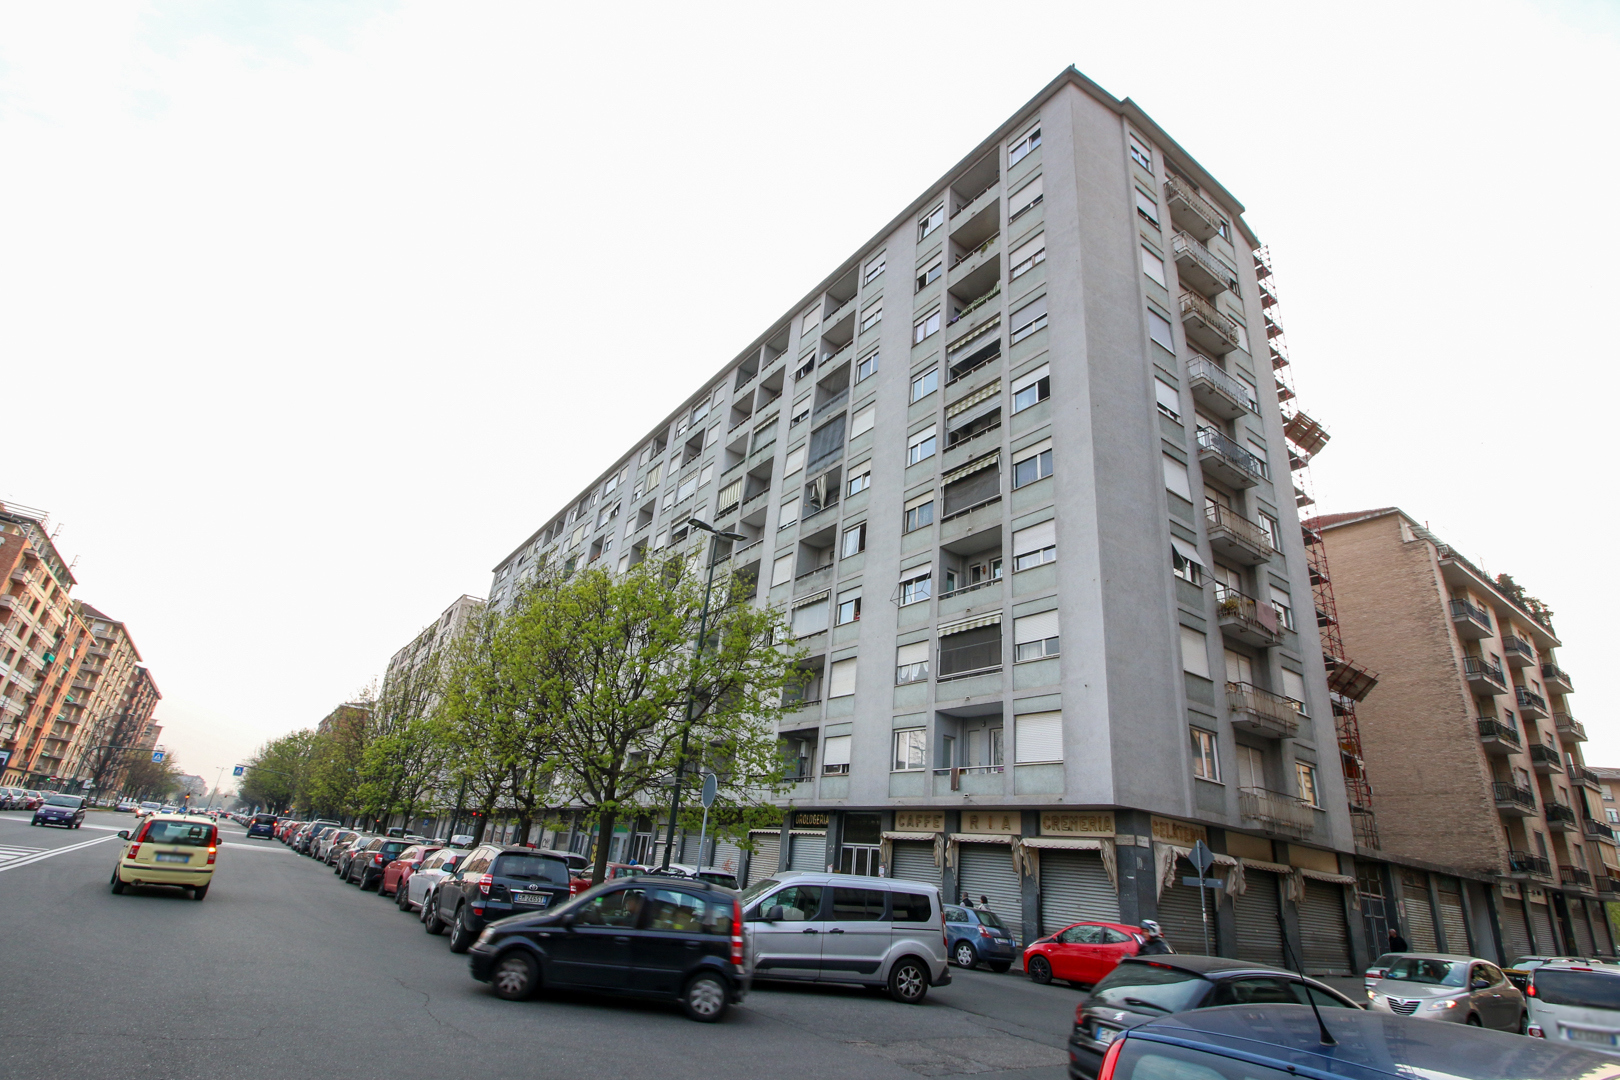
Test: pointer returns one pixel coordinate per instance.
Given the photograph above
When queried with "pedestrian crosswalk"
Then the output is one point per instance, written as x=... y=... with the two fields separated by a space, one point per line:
x=11 y=853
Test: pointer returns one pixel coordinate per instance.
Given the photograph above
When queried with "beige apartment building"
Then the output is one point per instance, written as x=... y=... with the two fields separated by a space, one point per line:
x=1496 y=829
x=116 y=699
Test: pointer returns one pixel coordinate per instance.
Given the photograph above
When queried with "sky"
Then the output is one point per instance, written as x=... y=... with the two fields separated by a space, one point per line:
x=310 y=312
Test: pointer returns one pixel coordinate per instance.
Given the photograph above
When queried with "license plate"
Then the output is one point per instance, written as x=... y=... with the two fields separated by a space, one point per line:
x=536 y=899
x=1583 y=1035
x=164 y=856
x=1105 y=1035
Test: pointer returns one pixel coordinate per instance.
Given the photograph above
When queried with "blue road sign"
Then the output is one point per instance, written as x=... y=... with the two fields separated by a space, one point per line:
x=238 y=770
x=157 y=755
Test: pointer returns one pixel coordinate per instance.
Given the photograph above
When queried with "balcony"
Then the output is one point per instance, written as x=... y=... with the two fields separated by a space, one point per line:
x=1569 y=727
x=1520 y=653
x=1472 y=623
x=1236 y=537
x=1229 y=462
x=1245 y=619
x=1199 y=269
x=1556 y=678
x=1607 y=886
x=1574 y=875
x=1483 y=676
x=1207 y=328
x=1597 y=830
x=1512 y=799
x=1524 y=864
x=1544 y=759
x=1561 y=818
x=1585 y=777
x=1260 y=712
x=1276 y=812
x=1532 y=705
x=1190 y=211
x=1216 y=392
x=1497 y=738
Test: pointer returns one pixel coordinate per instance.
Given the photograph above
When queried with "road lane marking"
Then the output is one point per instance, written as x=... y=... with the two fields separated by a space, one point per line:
x=86 y=825
x=12 y=854
x=30 y=860
x=256 y=847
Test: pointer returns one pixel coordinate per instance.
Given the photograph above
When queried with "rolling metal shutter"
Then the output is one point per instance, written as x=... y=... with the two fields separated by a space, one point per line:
x=762 y=862
x=1602 y=939
x=987 y=870
x=1515 y=938
x=914 y=861
x=689 y=849
x=726 y=854
x=1451 y=917
x=1324 y=934
x=1542 y=924
x=1419 y=918
x=1179 y=915
x=1583 y=930
x=1075 y=887
x=1255 y=916
x=809 y=852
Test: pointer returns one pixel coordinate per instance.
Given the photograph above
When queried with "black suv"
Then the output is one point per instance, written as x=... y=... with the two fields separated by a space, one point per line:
x=367 y=866
x=491 y=883
x=663 y=937
x=306 y=837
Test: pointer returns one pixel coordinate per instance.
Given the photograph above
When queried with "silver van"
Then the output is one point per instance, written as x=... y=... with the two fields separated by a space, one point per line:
x=1577 y=1003
x=846 y=928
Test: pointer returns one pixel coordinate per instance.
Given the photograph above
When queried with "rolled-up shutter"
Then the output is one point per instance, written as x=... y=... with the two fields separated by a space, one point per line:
x=914 y=861
x=763 y=859
x=1180 y=917
x=1419 y=917
x=1255 y=916
x=1038 y=737
x=841 y=681
x=986 y=870
x=809 y=852
x=1541 y=923
x=1583 y=930
x=1324 y=934
x=1451 y=917
x=1602 y=939
x=726 y=854
x=1075 y=888
x=1515 y=938
x=972 y=484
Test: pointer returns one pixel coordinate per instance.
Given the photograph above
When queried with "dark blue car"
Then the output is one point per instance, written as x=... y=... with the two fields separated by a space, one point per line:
x=64 y=810
x=973 y=936
x=263 y=825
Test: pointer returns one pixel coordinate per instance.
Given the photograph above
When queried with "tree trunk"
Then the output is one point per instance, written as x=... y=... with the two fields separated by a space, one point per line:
x=604 y=838
x=523 y=820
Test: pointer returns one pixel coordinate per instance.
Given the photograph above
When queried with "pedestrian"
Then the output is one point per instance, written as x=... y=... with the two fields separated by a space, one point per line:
x=1155 y=945
x=1396 y=942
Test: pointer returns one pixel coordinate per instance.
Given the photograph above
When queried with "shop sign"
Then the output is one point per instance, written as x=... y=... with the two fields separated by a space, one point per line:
x=805 y=820
x=1005 y=822
x=1077 y=823
x=1179 y=833
x=919 y=821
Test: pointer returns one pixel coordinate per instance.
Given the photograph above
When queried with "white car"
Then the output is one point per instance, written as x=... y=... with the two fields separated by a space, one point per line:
x=438 y=866
x=1578 y=1004
x=128 y=806
x=146 y=809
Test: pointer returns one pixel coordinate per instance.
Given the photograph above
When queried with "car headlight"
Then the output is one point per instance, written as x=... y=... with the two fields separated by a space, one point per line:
x=1447 y=1003
x=1372 y=995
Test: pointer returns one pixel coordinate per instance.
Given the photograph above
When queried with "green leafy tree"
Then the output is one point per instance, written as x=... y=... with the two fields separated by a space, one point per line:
x=148 y=779
x=278 y=776
x=405 y=745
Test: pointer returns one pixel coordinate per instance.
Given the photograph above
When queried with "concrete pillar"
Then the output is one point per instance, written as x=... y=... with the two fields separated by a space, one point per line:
x=1439 y=923
x=1138 y=894
x=1362 y=951
x=835 y=837
x=947 y=887
x=1030 y=887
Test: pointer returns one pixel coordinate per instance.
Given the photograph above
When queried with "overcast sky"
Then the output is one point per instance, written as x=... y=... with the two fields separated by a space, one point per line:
x=311 y=312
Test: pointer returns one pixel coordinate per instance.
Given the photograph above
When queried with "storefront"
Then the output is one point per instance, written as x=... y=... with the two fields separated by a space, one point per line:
x=1419 y=911
x=1540 y=921
x=1448 y=890
x=1257 y=911
x=915 y=848
x=983 y=857
x=1075 y=865
x=807 y=841
x=1324 y=924
x=767 y=853
x=1188 y=914
x=1510 y=919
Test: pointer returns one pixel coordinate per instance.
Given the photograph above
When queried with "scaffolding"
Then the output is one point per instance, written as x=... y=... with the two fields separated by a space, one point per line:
x=1348 y=682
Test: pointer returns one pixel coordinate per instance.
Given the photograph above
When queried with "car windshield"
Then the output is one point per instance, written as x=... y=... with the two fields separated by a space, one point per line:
x=391 y=851
x=1586 y=989
x=532 y=868
x=1385 y=960
x=65 y=800
x=758 y=889
x=989 y=918
x=187 y=833
x=1418 y=969
x=1150 y=988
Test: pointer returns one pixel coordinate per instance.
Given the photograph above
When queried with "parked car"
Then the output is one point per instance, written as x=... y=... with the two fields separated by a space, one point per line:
x=890 y=932
x=976 y=936
x=126 y=806
x=580 y=880
x=168 y=849
x=714 y=875
x=1450 y=987
x=1530 y=963
x=421 y=881
x=366 y=868
x=347 y=853
x=1284 y=1042
x=7 y=796
x=323 y=843
x=30 y=800
x=336 y=847
x=262 y=825
x=64 y=810
x=668 y=937
x=396 y=873
x=1576 y=1003
x=316 y=828
x=1142 y=989
x=491 y=883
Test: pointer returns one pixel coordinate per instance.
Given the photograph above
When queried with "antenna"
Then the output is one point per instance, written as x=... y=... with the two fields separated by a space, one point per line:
x=1322 y=1031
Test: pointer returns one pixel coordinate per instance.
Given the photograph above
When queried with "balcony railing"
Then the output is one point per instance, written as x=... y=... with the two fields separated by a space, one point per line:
x=1190 y=210
x=1228 y=396
x=1586 y=777
x=1508 y=793
x=1233 y=534
x=1277 y=812
x=1464 y=612
x=1568 y=725
x=1529 y=701
x=1559 y=815
x=1574 y=875
x=1552 y=673
x=1479 y=669
x=1541 y=754
x=1522 y=862
x=976 y=305
x=1208 y=327
x=1263 y=712
x=1222 y=451
x=1200 y=268
x=1495 y=729
x=1519 y=651
x=1597 y=830
x=1247 y=618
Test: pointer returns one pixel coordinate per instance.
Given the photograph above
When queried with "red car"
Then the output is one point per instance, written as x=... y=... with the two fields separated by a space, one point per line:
x=1082 y=953
x=580 y=880
x=398 y=872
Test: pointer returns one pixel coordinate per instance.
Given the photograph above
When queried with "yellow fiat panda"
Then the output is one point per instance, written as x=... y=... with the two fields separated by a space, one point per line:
x=168 y=849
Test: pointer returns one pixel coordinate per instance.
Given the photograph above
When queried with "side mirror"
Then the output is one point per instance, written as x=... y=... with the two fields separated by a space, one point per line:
x=567 y=920
x=1480 y=984
x=774 y=913
x=123 y=834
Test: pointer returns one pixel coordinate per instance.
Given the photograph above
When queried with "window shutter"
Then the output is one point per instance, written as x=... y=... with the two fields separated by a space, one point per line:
x=1024 y=198
x=827 y=439
x=835 y=749
x=1032 y=451
x=863 y=422
x=1293 y=685
x=789 y=514
x=916 y=653
x=1194 y=652
x=1027 y=314
x=920 y=570
x=842 y=681
x=1035 y=538
x=810 y=617
x=1175 y=478
x=782 y=570
x=1168 y=397
x=1036 y=627
x=1024 y=382
x=1038 y=737
x=919 y=500
x=731 y=494
x=795 y=461
x=1028 y=249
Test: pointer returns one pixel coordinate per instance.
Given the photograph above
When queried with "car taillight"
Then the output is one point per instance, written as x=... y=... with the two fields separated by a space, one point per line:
x=134 y=850
x=212 y=851
x=484 y=882
x=1111 y=1059
x=736 y=933
x=1535 y=1032
x=1531 y=990
x=984 y=931
x=377 y=858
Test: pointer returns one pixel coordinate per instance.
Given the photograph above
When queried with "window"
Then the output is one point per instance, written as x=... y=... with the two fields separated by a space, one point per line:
x=849 y=608
x=1032 y=388
x=931 y=221
x=1285 y=607
x=1037 y=737
x=1036 y=465
x=1175 y=478
x=1034 y=546
x=685 y=491
x=1035 y=636
x=860 y=480
x=788 y=515
x=910 y=750
x=835 y=754
x=1026 y=256
x=1024 y=199
x=1147 y=207
x=1159 y=331
x=1294 y=687
x=794 y=462
x=781 y=569
x=808 y=321
x=871 y=317
x=863 y=421
x=924 y=384
x=810 y=616
x=910 y=907
x=703 y=478
x=915 y=587
x=1306 y=775
x=1141 y=154
x=1153 y=267
x=854 y=541
x=1273 y=531
x=867 y=366
x=1206 y=765
x=1194 y=652
x=967 y=648
x=1168 y=398
x=920 y=513
x=801 y=413
x=911 y=663
x=931 y=274
x=841 y=678
x=1020 y=149
x=874 y=267
x=1242 y=335
x=1185 y=562
x=921 y=446
x=925 y=327
x=1028 y=319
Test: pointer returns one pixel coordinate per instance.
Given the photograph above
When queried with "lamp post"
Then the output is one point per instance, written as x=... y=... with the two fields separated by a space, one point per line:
x=703 y=636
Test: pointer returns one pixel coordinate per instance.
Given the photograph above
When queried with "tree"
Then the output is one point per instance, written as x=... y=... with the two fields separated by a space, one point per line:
x=277 y=777
x=405 y=745
x=148 y=779
x=1537 y=610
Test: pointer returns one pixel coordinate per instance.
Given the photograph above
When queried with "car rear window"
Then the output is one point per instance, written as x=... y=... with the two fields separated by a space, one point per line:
x=913 y=907
x=65 y=800
x=265 y=819
x=185 y=833
x=531 y=868
x=1586 y=989
x=989 y=918
x=393 y=848
x=1149 y=988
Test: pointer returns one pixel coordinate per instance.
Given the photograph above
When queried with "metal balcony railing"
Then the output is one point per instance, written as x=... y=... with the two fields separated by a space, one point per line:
x=1478 y=668
x=1202 y=367
x=1194 y=306
x=1554 y=673
x=1495 y=729
x=1568 y=725
x=1213 y=441
x=1276 y=811
x=1582 y=775
x=1559 y=814
x=1522 y=862
x=1462 y=609
x=1505 y=791
x=1272 y=714
x=1177 y=190
x=1597 y=830
x=1248 y=612
x=1518 y=647
x=1574 y=875
x=1541 y=754
x=1240 y=528
x=1529 y=699
x=1185 y=245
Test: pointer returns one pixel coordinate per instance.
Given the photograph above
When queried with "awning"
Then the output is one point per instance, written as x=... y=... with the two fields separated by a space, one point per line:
x=926 y=837
x=1322 y=875
x=813 y=598
x=984 y=393
x=980 y=838
x=807 y=832
x=1165 y=862
x=1102 y=845
x=1275 y=868
x=1068 y=843
x=1187 y=551
x=989 y=461
x=969 y=624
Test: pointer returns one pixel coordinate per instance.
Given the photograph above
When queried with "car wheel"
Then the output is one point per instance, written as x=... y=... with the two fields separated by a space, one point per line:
x=1040 y=970
x=402 y=898
x=704 y=998
x=461 y=935
x=199 y=892
x=908 y=981
x=1475 y=1021
x=1524 y=1024
x=964 y=954
x=1001 y=967
x=516 y=976
x=116 y=884
x=434 y=926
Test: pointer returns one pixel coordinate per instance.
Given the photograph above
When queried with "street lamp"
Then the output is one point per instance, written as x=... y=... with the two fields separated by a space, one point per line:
x=703 y=636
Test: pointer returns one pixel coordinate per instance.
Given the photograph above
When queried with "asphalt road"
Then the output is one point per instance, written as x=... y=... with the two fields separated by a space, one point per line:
x=284 y=971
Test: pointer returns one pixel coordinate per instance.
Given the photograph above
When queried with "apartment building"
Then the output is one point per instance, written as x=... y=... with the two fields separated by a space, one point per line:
x=117 y=696
x=1481 y=787
x=434 y=637
x=1018 y=470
